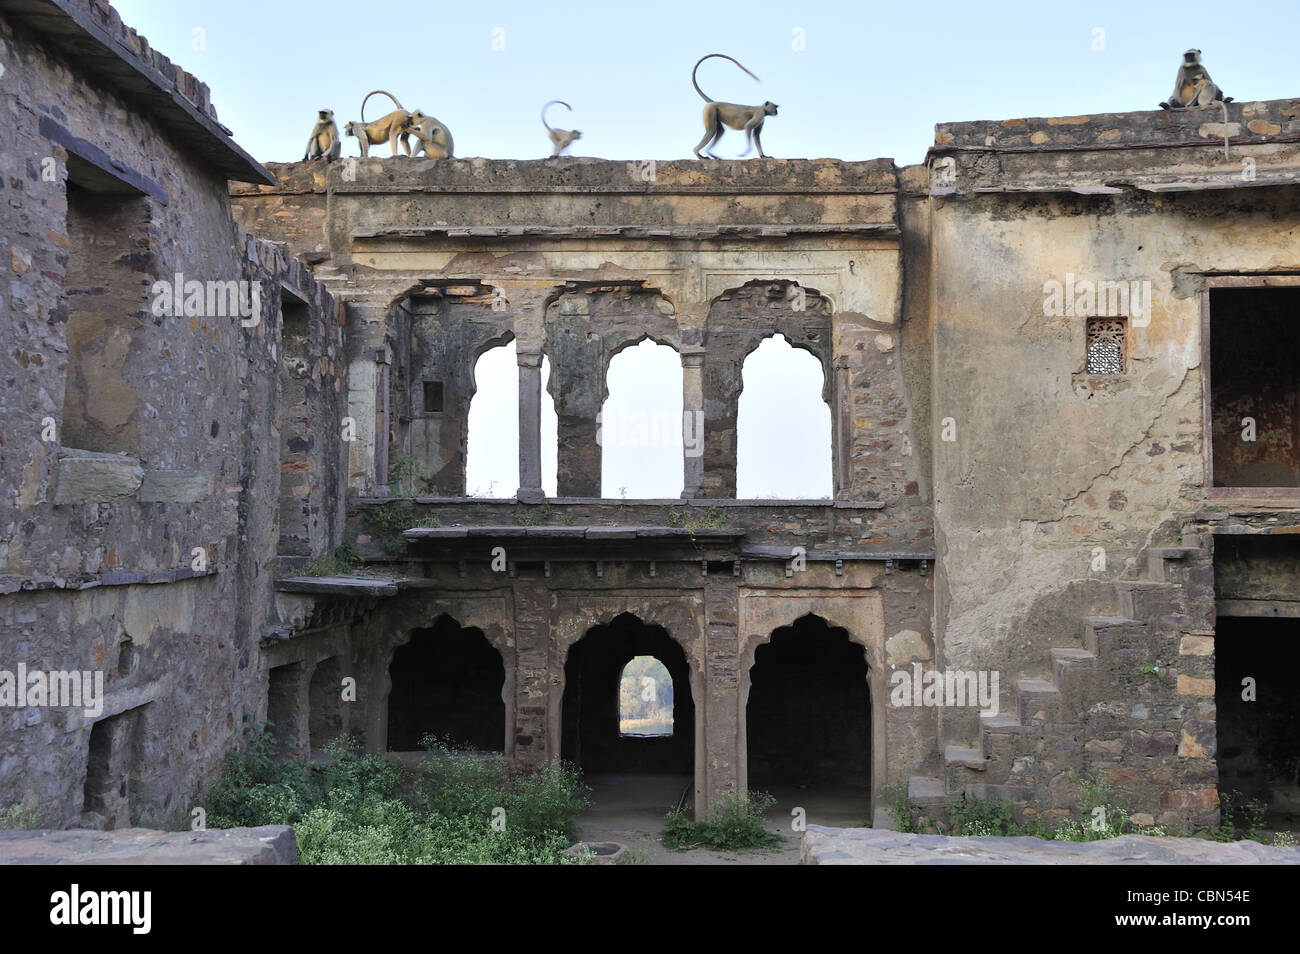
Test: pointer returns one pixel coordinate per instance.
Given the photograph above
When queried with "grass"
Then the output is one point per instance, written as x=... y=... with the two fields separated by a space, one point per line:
x=713 y=518
x=390 y=519
x=533 y=516
x=734 y=824
x=25 y=815
x=461 y=807
x=342 y=561
x=1099 y=816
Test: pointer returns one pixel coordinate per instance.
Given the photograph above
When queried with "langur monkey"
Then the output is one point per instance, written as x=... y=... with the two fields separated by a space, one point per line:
x=1193 y=87
x=388 y=127
x=431 y=137
x=717 y=115
x=561 y=139
x=324 y=142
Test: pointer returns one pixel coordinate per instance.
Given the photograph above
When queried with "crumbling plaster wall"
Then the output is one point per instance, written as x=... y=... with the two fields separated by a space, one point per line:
x=1050 y=463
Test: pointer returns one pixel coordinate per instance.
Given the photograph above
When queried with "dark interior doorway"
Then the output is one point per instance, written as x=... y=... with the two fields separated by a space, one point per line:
x=1258 y=742
x=808 y=721
x=447 y=682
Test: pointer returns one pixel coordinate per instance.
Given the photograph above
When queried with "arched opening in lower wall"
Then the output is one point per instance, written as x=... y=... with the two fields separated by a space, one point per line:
x=808 y=722
x=636 y=770
x=327 y=716
x=447 y=682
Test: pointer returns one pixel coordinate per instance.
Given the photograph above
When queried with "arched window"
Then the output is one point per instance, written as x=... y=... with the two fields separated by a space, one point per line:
x=645 y=699
x=783 y=427
x=492 y=452
x=641 y=424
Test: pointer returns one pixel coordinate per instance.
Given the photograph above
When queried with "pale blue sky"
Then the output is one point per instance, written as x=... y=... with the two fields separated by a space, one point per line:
x=853 y=81
x=872 y=80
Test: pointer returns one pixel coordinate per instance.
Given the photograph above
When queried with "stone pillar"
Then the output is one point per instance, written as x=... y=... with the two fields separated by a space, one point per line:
x=366 y=323
x=578 y=386
x=530 y=427
x=721 y=709
x=382 y=365
x=693 y=421
x=532 y=746
x=843 y=447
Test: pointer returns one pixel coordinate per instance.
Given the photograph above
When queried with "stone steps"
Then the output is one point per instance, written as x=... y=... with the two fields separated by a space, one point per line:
x=1046 y=720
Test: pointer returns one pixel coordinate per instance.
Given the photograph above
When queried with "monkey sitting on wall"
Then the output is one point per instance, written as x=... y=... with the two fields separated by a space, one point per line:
x=432 y=137
x=718 y=115
x=1193 y=87
x=324 y=142
x=387 y=128
x=561 y=139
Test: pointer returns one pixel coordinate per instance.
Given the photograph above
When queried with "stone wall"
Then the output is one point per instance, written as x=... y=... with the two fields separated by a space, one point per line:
x=141 y=452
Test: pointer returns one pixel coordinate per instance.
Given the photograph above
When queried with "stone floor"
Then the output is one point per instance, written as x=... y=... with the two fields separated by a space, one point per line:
x=269 y=845
x=868 y=846
x=630 y=809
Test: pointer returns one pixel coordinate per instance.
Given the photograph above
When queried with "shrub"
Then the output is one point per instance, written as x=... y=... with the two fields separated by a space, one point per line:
x=362 y=809
x=734 y=823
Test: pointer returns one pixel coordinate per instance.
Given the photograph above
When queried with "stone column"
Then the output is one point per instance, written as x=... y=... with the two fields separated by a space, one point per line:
x=532 y=746
x=721 y=710
x=843 y=449
x=692 y=421
x=382 y=411
x=530 y=427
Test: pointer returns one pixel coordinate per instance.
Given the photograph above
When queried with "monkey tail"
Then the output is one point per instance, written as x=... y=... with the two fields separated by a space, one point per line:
x=724 y=56
x=550 y=104
x=384 y=92
x=1227 y=154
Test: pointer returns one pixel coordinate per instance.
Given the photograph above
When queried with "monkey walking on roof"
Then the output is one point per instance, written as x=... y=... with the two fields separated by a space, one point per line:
x=719 y=115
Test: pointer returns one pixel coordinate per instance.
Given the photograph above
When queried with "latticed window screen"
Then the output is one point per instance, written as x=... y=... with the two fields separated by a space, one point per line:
x=1106 y=352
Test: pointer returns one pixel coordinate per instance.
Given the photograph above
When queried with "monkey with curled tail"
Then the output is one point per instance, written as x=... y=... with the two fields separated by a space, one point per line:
x=561 y=139
x=719 y=115
x=386 y=128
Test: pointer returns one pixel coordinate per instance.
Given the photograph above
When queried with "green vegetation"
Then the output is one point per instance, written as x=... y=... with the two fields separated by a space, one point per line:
x=24 y=815
x=645 y=698
x=403 y=473
x=533 y=516
x=906 y=815
x=713 y=518
x=976 y=817
x=1239 y=819
x=734 y=824
x=461 y=807
x=342 y=561
x=1099 y=816
x=390 y=519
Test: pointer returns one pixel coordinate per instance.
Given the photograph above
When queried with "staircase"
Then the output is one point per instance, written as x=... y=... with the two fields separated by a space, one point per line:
x=1149 y=731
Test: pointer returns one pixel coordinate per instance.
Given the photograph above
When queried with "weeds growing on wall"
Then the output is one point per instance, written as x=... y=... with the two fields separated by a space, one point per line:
x=461 y=807
x=406 y=474
x=735 y=823
x=345 y=558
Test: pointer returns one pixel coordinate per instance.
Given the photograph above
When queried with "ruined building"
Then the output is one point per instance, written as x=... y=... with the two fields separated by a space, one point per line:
x=1058 y=361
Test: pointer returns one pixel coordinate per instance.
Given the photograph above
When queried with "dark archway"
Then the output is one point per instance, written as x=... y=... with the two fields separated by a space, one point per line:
x=447 y=682
x=592 y=674
x=808 y=720
x=325 y=705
